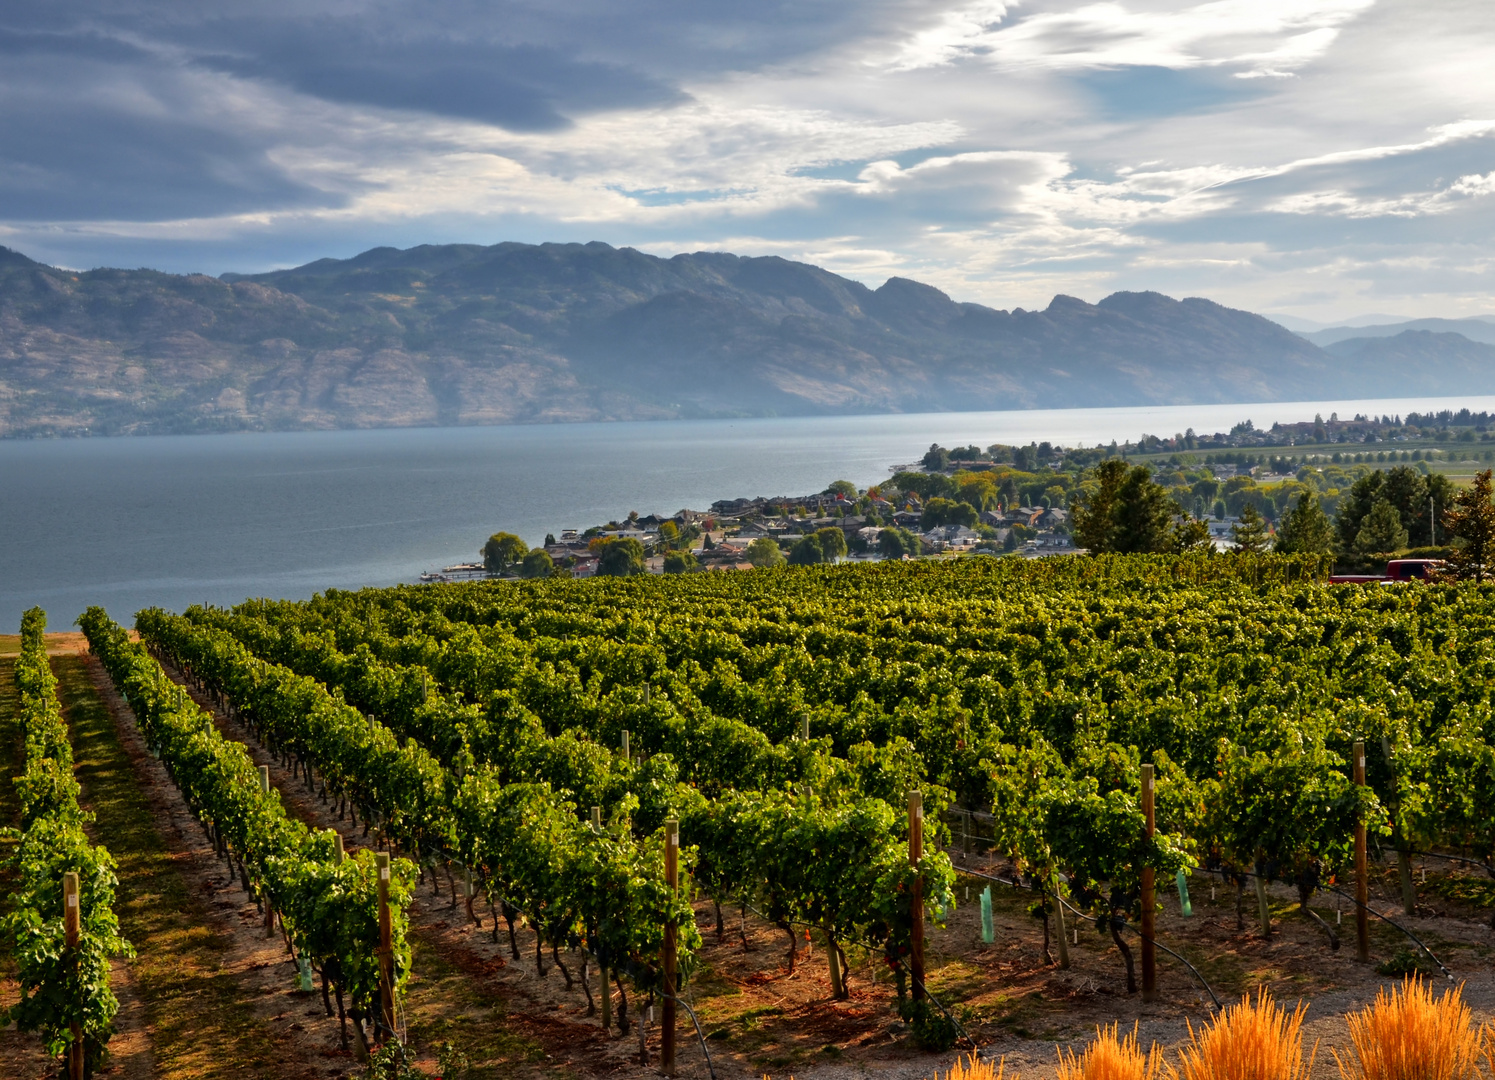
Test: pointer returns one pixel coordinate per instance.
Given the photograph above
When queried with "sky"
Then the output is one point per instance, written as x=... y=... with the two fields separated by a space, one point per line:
x=1321 y=159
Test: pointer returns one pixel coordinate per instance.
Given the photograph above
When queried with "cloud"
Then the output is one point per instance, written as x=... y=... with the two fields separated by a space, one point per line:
x=1262 y=37
x=1001 y=150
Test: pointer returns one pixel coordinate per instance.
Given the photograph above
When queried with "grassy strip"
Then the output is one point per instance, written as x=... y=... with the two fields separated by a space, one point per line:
x=199 y=1023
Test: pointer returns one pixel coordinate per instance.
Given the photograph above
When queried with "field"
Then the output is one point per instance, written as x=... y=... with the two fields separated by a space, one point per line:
x=782 y=718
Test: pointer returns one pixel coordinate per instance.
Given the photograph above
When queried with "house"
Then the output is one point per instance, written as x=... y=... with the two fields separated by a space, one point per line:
x=950 y=538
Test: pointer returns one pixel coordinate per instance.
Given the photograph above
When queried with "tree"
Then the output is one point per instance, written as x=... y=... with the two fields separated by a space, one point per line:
x=1093 y=510
x=1354 y=505
x=1143 y=514
x=845 y=488
x=669 y=532
x=536 y=564
x=896 y=543
x=678 y=562
x=807 y=551
x=1381 y=531
x=1192 y=534
x=1305 y=529
x=764 y=552
x=549 y=540
x=832 y=543
x=1250 y=535
x=940 y=511
x=621 y=557
x=937 y=459
x=502 y=551
x=1472 y=519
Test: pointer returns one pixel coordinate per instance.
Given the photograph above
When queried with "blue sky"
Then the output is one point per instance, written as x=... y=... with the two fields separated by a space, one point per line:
x=1316 y=158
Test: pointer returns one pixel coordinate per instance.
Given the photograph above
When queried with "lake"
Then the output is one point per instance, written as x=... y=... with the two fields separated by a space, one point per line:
x=174 y=520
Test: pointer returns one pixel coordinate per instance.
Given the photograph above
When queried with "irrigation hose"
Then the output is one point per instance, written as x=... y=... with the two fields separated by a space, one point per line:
x=1329 y=888
x=870 y=948
x=1403 y=929
x=699 y=1035
x=1122 y=923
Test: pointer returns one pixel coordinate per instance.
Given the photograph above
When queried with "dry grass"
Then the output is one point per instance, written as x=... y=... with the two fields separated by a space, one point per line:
x=973 y=1068
x=1112 y=1057
x=1255 y=1040
x=1409 y=1035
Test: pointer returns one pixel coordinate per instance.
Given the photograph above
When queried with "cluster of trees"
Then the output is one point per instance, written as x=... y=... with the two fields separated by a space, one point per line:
x=1124 y=510
x=821 y=546
x=504 y=552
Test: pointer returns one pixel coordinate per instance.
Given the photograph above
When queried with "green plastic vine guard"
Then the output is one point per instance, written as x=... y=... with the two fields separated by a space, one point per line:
x=1183 y=894
x=988 y=932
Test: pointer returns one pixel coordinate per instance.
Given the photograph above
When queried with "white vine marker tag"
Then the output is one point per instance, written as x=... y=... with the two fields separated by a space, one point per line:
x=72 y=900
x=383 y=873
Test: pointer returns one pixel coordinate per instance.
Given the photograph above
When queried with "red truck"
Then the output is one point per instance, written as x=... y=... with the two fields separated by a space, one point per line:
x=1396 y=570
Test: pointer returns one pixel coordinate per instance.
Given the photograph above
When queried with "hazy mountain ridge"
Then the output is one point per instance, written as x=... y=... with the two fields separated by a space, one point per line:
x=464 y=334
x=1474 y=329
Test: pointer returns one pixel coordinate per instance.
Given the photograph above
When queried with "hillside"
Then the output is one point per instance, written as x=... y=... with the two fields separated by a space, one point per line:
x=462 y=334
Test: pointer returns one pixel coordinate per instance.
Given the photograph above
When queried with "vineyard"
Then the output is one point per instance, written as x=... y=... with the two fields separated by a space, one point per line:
x=961 y=798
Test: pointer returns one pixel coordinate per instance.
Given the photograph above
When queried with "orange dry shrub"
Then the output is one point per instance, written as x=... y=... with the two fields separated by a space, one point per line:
x=1111 y=1057
x=1407 y=1035
x=973 y=1068
x=1256 y=1040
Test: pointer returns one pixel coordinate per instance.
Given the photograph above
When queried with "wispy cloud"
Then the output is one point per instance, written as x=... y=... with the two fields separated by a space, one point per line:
x=1260 y=37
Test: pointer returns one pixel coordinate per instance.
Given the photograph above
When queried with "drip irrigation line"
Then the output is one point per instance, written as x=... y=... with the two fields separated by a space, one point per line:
x=1403 y=929
x=1330 y=888
x=1122 y=923
x=704 y=1049
x=898 y=959
x=1465 y=860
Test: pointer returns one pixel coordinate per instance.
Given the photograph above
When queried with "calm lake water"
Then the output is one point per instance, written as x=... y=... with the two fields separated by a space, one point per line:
x=176 y=520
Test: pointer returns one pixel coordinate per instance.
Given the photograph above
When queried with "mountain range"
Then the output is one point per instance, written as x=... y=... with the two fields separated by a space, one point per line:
x=513 y=333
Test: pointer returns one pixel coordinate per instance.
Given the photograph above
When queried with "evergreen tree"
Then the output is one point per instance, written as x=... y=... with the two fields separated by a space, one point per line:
x=1093 y=510
x=1381 y=531
x=1305 y=529
x=1354 y=505
x=1192 y=534
x=1250 y=533
x=1472 y=519
x=1144 y=514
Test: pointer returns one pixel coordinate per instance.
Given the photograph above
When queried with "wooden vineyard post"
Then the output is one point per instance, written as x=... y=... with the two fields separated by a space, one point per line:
x=916 y=893
x=672 y=881
x=607 y=990
x=804 y=727
x=1059 y=924
x=1149 y=899
x=269 y=908
x=337 y=841
x=1362 y=871
x=386 y=948
x=625 y=746
x=70 y=921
